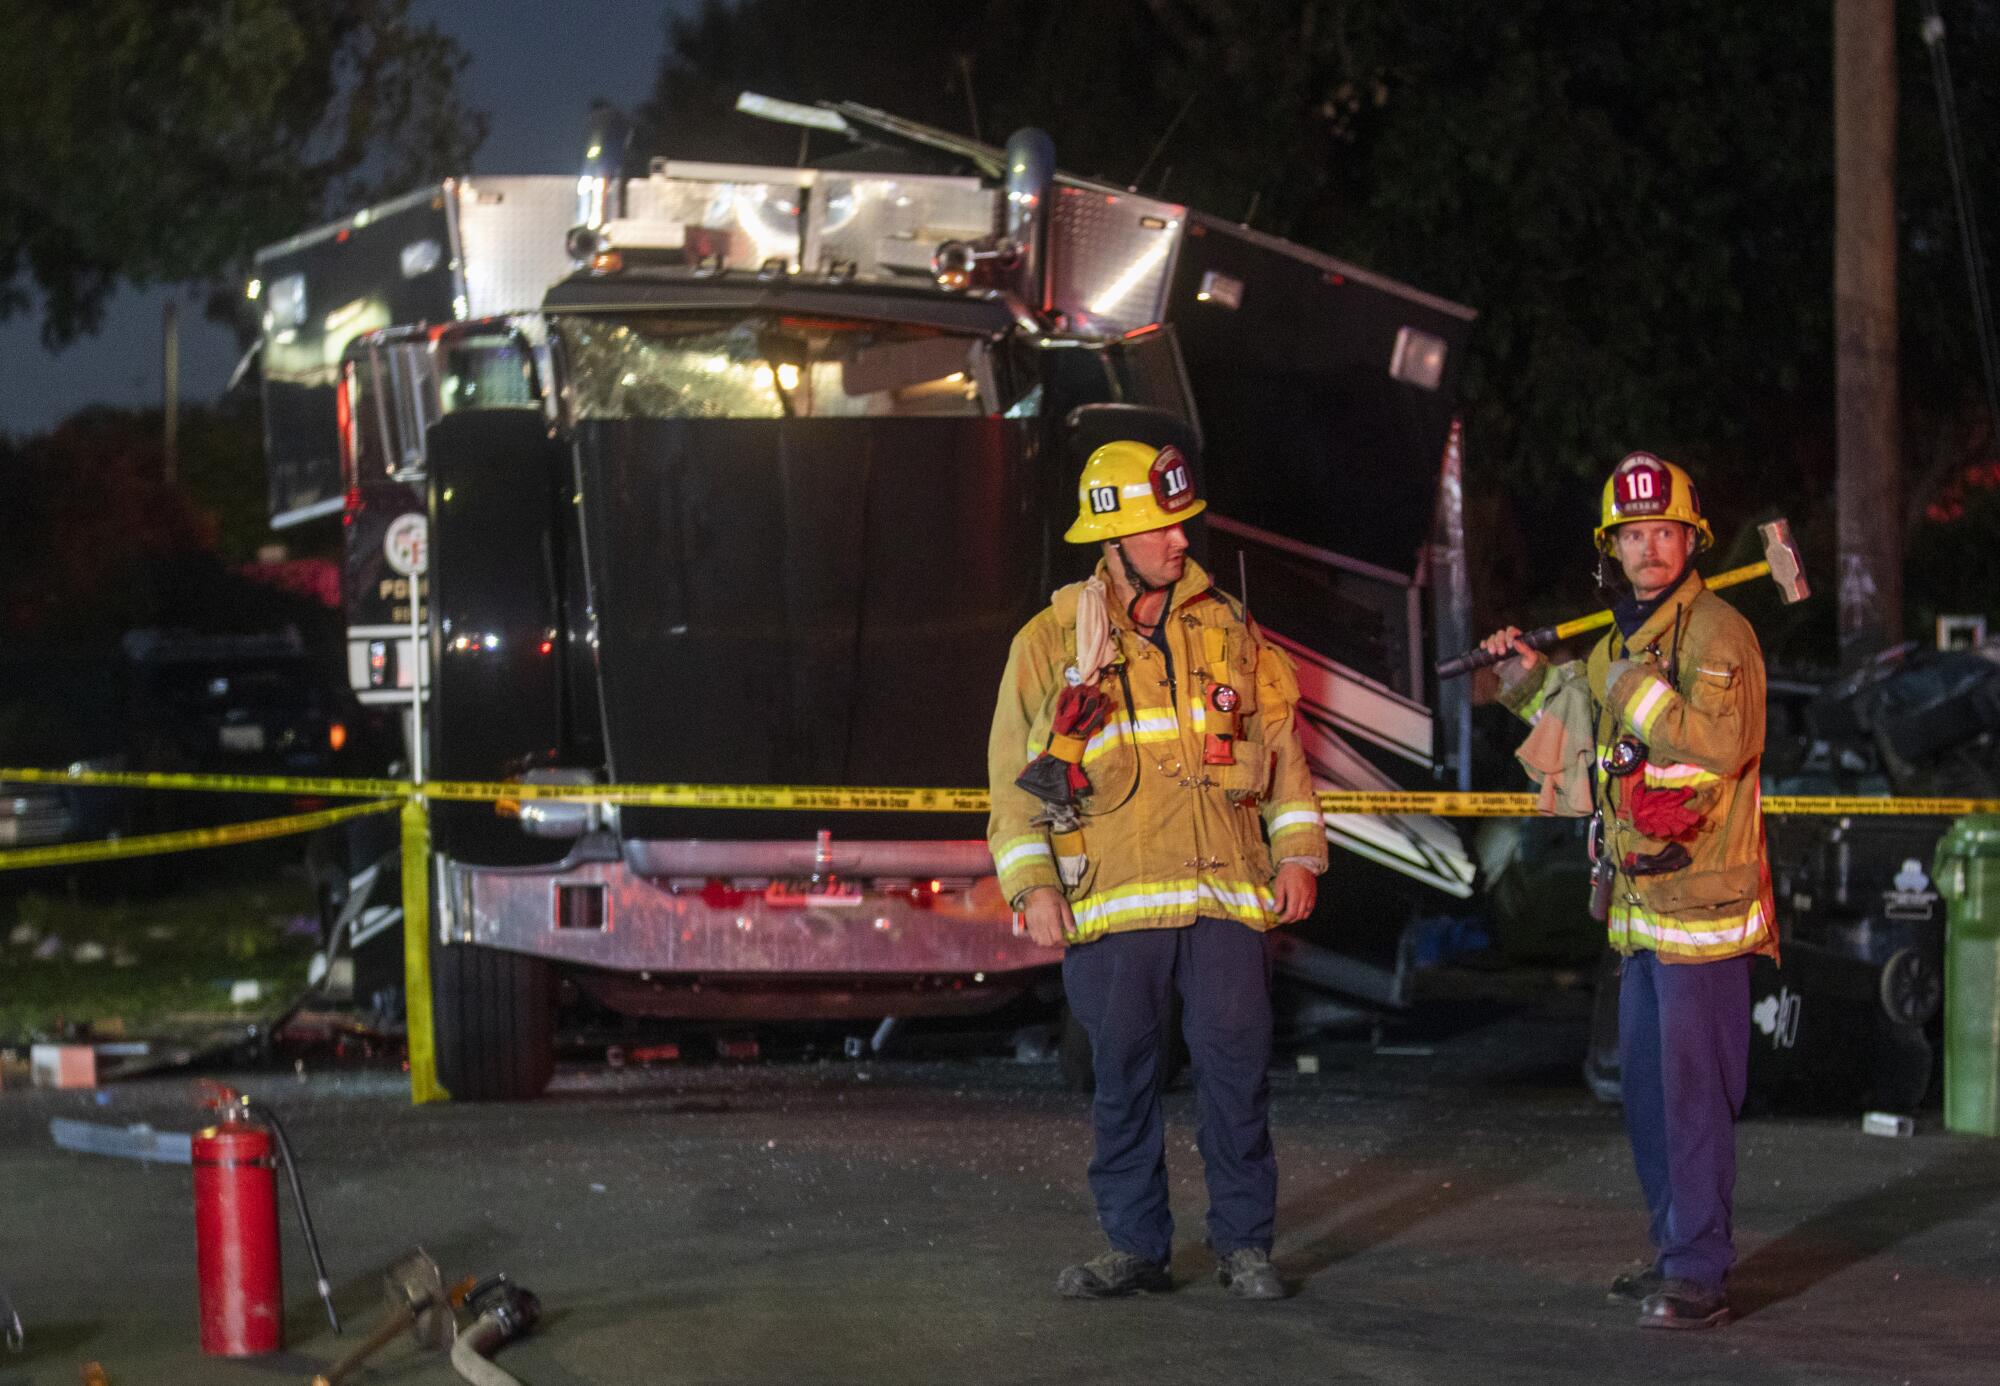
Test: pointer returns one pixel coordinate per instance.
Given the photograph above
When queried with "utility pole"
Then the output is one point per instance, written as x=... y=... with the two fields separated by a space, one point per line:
x=1866 y=387
x=170 y=392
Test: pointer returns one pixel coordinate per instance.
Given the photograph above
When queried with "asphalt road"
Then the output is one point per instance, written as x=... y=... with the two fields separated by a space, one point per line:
x=1450 y=1216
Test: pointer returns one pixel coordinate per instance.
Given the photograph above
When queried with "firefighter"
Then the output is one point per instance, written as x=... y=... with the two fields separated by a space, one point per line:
x=1146 y=773
x=1676 y=696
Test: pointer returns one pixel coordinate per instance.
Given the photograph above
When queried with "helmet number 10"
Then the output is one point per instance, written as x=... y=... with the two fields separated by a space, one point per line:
x=1173 y=484
x=1642 y=487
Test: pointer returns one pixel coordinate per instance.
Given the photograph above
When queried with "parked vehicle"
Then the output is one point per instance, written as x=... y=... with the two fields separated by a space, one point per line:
x=745 y=476
x=175 y=702
x=34 y=815
x=59 y=708
x=243 y=704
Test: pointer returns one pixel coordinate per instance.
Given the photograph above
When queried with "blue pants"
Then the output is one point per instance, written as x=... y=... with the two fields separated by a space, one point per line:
x=1120 y=988
x=1684 y=1050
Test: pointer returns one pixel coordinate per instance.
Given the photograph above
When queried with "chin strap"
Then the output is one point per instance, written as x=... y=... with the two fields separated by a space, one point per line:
x=1140 y=587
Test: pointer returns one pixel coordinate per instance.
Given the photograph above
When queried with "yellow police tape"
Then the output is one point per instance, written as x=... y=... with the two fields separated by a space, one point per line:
x=410 y=798
x=221 y=784
x=417 y=1019
x=883 y=799
x=70 y=853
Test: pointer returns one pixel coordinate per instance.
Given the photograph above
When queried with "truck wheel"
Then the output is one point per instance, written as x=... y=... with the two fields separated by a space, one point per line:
x=493 y=1014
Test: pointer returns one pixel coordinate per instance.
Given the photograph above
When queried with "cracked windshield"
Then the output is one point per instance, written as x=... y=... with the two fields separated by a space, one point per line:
x=771 y=367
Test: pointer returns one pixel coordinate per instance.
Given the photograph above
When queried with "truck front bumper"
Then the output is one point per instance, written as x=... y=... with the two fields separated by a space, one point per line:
x=601 y=914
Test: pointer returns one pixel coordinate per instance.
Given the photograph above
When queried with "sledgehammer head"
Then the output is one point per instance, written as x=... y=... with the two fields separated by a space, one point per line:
x=1783 y=556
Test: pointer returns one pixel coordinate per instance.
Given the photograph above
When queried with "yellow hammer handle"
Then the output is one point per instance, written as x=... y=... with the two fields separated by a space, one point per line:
x=1597 y=619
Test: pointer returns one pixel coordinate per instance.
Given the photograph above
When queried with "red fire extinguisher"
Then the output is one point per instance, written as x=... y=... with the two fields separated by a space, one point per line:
x=236 y=1229
x=236 y=1237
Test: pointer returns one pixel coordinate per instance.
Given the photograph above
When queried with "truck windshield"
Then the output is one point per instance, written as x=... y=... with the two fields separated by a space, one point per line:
x=769 y=366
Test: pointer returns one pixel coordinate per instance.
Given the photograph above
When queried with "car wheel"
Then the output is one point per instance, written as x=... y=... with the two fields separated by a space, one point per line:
x=1911 y=987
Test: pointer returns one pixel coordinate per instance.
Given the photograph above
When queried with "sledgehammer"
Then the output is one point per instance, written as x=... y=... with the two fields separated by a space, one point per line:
x=1780 y=563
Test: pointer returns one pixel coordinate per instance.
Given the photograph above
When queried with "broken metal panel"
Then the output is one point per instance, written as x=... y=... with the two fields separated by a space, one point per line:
x=1322 y=967
x=1357 y=706
x=1421 y=847
x=136 y=1142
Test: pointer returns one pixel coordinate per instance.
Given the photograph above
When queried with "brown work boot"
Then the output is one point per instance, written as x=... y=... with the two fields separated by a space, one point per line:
x=1684 y=1304
x=1248 y=1273
x=1112 y=1275
x=1636 y=1283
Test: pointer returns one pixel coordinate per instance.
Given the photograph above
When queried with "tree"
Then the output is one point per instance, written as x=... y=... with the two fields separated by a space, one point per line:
x=158 y=141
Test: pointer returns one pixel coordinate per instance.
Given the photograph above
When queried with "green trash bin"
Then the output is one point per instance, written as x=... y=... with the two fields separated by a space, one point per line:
x=1967 y=873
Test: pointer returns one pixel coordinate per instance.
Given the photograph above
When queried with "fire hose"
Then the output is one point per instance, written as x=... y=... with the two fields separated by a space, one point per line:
x=320 y=1281
x=416 y=1300
x=506 y=1311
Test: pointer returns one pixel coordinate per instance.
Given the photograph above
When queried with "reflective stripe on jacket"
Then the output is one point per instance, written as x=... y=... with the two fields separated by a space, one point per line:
x=1705 y=733
x=1168 y=838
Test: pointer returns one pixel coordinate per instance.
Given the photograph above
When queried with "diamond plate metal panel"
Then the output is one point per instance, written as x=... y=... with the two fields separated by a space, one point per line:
x=1111 y=258
x=510 y=234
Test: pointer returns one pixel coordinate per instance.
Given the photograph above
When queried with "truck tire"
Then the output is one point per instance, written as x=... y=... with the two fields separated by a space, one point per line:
x=493 y=1015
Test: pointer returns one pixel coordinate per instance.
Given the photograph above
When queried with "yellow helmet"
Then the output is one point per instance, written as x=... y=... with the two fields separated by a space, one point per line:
x=1645 y=487
x=1129 y=488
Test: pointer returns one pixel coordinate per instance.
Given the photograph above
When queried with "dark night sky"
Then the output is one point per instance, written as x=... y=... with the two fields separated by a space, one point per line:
x=535 y=67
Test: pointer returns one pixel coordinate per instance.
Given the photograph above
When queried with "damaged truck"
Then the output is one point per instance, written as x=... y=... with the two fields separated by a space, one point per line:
x=728 y=475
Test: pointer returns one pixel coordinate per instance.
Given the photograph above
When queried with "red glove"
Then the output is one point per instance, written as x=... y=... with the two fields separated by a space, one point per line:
x=1660 y=813
x=1056 y=776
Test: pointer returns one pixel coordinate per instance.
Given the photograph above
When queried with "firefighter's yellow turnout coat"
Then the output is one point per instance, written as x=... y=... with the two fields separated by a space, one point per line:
x=1689 y=684
x=1167 y=837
